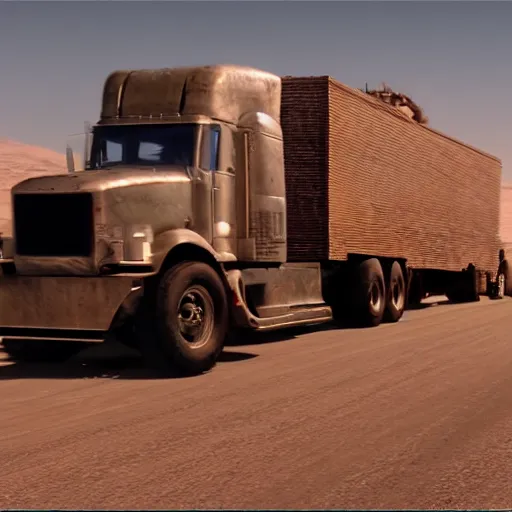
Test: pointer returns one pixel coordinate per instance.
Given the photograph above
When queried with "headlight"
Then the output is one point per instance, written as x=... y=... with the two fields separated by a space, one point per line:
x=124 y=244
x=138 y=242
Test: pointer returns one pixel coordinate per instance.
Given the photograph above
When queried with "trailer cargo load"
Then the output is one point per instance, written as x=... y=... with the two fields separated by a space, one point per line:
x=363 y=178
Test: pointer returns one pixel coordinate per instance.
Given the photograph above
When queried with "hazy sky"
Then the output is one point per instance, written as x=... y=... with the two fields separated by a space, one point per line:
x=453 y=58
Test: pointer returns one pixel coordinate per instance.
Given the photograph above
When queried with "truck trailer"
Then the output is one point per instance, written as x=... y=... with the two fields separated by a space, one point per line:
x=220 y=199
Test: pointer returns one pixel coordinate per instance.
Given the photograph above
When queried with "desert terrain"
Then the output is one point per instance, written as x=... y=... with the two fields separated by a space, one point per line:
x=20 y=161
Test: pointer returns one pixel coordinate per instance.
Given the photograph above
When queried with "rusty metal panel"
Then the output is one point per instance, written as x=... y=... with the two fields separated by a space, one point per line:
x=363 y=178
x=61 y=302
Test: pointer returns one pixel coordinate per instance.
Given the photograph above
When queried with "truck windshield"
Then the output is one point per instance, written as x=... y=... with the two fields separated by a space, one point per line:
x=143 y=145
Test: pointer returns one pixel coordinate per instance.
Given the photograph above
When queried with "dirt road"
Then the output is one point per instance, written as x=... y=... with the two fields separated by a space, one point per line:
x=414 y=415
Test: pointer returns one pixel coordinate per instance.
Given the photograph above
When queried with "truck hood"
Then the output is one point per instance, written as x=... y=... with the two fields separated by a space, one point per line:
x=122 y=199
x=102 y=180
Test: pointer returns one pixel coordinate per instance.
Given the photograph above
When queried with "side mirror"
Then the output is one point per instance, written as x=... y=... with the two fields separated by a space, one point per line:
x=78 y=150
x=70 y=160
x=87 y=144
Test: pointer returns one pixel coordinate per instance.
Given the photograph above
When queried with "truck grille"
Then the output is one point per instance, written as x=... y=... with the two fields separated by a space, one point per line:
x=53 y=225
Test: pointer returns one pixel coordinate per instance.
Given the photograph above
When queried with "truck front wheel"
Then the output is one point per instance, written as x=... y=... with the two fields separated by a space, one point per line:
x=370 y=294
x=191 y=317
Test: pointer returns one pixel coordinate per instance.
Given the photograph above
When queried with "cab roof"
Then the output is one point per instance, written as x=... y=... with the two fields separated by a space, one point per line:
x=223 y=92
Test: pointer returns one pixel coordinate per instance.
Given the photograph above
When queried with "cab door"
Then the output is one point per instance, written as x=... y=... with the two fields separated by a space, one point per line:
x=217 y=141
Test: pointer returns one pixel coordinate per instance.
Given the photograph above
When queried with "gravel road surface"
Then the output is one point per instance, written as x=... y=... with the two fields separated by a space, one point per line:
x=413 y=415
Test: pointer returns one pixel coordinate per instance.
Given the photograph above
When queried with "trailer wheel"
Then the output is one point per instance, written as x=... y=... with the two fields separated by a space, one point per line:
x=395 y=302
x=499 y=291
x=504 y=269
x=191 y=319
x=370 y=294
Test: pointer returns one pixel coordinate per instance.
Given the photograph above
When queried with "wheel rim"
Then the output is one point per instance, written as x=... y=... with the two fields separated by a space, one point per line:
x=397 y=294
x=375 y=297
x=195 y=316
x=501 y=285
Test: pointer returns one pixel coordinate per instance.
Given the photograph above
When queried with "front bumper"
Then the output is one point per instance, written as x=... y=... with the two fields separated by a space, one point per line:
x=62 y=307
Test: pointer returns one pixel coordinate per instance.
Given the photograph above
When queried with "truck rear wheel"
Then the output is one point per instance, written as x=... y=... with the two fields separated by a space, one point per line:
x=191 y=318
x=504 y=270
x=370 y=294
x=497 y=291
x=395 y=303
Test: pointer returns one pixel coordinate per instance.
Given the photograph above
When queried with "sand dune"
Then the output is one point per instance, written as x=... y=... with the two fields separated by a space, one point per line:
x=20 y=161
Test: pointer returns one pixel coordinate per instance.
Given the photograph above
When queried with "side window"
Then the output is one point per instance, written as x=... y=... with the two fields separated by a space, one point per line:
x=112 y=152
x=150 y=151
x=210 y=147
x=214 y=147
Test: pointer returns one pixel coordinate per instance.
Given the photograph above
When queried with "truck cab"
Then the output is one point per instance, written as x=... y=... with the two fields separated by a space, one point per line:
x=182 y=191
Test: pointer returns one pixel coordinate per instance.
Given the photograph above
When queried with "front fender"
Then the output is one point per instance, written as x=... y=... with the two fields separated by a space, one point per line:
x=168 y=240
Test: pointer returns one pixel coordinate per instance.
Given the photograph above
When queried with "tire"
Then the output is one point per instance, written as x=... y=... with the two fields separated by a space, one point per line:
x=498 y=292
x=41 y=351
x=188 y=293
x=370 y=294
x=396 y=294
x=504 y=269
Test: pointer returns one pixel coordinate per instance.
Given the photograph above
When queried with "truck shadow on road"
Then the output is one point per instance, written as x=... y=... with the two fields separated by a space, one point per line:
x=98 y=362
x=113 y=361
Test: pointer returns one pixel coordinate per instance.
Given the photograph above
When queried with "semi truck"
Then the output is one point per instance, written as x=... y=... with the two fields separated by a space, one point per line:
x=224 y=199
